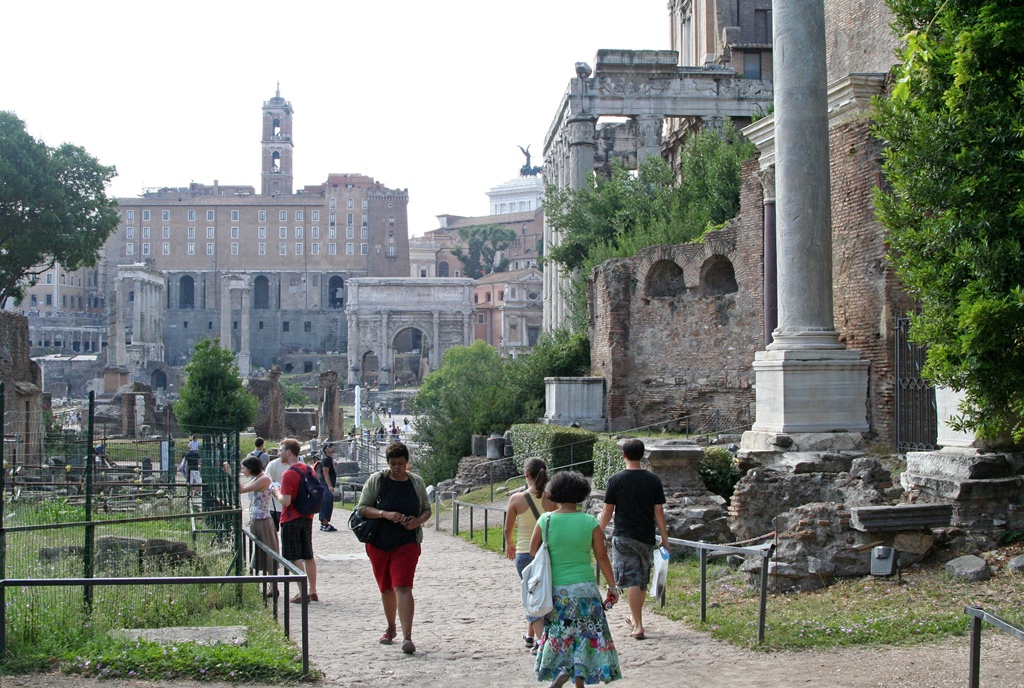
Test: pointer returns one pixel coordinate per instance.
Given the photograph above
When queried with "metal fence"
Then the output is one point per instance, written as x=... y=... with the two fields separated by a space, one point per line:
x=979 y=616
x=916 y=418
x=107 y=531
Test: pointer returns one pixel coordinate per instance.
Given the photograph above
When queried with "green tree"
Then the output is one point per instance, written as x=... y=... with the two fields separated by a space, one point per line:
x=213 y=398
x=954 y=157
x=53 y=207
x=465 y=396
x=619 y=216
x=560 y=353
x=483 y=244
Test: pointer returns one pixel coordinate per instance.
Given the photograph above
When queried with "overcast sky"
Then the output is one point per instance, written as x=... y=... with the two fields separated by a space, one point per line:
x=433 y=97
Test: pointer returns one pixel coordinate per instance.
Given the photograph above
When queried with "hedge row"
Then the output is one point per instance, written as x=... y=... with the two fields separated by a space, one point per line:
x=558 y=445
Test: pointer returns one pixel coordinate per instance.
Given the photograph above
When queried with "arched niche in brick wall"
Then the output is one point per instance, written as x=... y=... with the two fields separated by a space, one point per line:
x=717 y=276
x=664 y=278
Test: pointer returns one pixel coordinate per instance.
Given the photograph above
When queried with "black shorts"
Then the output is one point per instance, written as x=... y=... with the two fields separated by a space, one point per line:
x=297 y=539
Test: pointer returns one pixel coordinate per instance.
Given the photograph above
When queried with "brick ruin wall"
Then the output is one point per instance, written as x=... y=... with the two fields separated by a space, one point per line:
x=666 y=357
x=23 y=399
x=670 y=356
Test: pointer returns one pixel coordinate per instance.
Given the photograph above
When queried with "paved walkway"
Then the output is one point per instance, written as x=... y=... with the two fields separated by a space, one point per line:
x=469 y=624
x=468 y=630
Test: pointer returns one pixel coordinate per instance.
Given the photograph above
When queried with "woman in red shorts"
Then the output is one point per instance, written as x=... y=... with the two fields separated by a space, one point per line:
x=399 y=499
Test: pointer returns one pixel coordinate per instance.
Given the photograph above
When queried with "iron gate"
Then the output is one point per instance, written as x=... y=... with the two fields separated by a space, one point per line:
x=916 y=420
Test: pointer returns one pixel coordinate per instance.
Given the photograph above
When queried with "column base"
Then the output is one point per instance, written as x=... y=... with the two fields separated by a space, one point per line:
x=244 y=361
x=811 y=391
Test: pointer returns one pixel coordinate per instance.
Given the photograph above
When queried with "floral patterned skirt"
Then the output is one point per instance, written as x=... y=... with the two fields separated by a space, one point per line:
x=576 y=637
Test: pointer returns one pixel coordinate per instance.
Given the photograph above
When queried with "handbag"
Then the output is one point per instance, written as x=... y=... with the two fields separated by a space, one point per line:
x=660 y=576
x=536 y=584
x=364 y=528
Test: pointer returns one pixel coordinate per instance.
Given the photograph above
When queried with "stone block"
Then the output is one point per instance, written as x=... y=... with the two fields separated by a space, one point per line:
x=899 y=518
x=915 y=543
x=965 y=464
x=969 y=567
x=1017 y=564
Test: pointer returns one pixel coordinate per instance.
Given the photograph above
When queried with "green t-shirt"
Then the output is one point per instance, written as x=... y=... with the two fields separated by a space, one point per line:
x=570 y=545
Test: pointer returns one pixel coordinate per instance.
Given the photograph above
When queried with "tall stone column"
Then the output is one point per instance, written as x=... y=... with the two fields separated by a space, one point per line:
x=435 y=349
x=807 y=381
x=771 y=283
x=136 y=311
x=354 y=350
x=648 y=132
x=385 y=366
x=120 y=349
x=244 y=355
x=225 y=314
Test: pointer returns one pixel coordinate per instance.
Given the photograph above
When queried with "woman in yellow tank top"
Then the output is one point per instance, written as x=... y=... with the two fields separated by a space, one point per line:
x=521 y=516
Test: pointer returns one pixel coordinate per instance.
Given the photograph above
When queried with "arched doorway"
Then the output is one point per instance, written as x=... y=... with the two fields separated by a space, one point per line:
x=261 y=292
x=442 y=269
x=159 y=379
x=370 y=369
x=187 y=292
x=410 y=352
x=336 y=292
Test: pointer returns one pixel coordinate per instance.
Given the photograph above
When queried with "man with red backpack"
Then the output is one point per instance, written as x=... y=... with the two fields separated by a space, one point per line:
x=296 y=526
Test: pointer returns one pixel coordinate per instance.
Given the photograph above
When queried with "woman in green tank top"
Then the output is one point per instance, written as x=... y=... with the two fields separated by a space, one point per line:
x=576 y=643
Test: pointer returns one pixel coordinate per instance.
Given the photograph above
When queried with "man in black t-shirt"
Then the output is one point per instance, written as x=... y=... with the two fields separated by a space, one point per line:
x=636 y=498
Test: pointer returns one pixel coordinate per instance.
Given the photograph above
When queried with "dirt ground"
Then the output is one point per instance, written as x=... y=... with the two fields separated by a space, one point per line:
x=469 y=624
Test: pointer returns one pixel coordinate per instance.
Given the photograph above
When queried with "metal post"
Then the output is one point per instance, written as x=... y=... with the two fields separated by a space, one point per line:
x=974 y=673
x=703 y=585
x=470 y=521
x=90 y=529
x=236 y=500
x=3 y=535
x=485 y=525
x=437 y=511
x=305 y=625
x=762 y=610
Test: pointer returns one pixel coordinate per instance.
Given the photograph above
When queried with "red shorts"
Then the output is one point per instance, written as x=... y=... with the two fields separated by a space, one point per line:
x=394 y=569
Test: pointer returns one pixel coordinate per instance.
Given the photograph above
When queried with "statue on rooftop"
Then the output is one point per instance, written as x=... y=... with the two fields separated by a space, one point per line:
x=526 y=170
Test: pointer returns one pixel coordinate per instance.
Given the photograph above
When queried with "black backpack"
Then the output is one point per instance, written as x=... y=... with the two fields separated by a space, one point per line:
x=311 y=492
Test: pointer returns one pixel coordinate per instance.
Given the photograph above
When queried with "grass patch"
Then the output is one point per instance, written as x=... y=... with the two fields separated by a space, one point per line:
x=864 y=611
x=493 y=543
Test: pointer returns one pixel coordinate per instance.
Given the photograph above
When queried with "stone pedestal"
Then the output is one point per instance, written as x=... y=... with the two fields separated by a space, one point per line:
x=575 y=401
x=677 y=463
x=983 y=480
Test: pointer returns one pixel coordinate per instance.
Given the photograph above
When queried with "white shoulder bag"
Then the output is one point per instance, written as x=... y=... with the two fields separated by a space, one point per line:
x=536 y=584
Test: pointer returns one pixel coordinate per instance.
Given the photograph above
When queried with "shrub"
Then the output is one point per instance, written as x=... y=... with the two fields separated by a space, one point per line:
x=719 y=470
x=559 y=446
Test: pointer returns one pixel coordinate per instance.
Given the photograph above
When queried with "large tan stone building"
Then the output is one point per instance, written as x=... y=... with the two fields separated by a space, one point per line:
x=266 y=272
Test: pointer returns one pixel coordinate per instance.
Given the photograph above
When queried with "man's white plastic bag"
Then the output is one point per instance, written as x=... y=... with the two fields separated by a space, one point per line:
x=660 y=575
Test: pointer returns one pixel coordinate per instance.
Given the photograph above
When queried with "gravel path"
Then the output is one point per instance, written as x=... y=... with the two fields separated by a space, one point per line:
x=468 y=628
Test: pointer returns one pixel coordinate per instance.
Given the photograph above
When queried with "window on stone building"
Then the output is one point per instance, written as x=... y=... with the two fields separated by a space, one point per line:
x=299 y=232
x=282 y=249
x=299 y=215
x=145 y=248
x=234 y=232
x=307 y=326
x=165 y=215
x=145 y=216
x=488 y=297
x=234 y=216
x=262 y=249
x=129 y=214
x=762 y=27
x=366 y=203
x=366 y=220
x=391 y=221
x=191 y=249
x=350 y=232
x=349 y=219
x=282 y=233
x=751 y=65
x=364 y=249
x=145 y=232
x=209 y=324
x=166 y=249
x=234 y=248
x=262 y=233
x=260 y=325
x=209 y=249
x=210 y=216
x=286 y=326
x=282 y=215
x=129 y=232
x=49 y=299
x=314 y=216
x=350 y=249
x=191 y=232
x=442 y=269
x=333 y=219
x=314 y=249
x=191 y=216
x=129 y=249
x=332 y=249
x=332 y=232
x=333 y=203
x=166 y=232
x=480 y=318
x=476 y=298
x=298 y=248
x=209 y=232
x=263 y=216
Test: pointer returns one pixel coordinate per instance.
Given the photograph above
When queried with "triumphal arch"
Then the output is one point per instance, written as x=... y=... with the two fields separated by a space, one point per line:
x=400 y=327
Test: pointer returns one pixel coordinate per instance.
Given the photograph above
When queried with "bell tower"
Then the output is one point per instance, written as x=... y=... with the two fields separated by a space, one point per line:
x=277 y=146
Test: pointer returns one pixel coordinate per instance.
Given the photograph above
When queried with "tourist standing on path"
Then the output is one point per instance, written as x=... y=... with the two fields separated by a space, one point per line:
x=296 y=528
x=258 y=452
x=193 y=444
x=328 y=478
x=260 y=522
x=524 y=508
x=636 y=498
x=399 y=498
x=275 y=469
x=576 y=643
